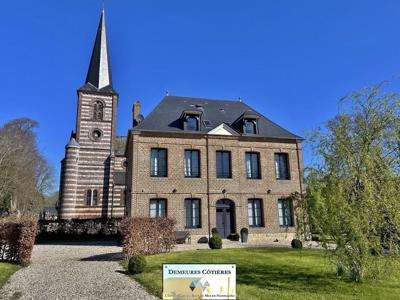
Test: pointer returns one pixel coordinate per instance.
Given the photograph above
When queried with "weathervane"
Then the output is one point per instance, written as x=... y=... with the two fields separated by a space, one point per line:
x=102 y=4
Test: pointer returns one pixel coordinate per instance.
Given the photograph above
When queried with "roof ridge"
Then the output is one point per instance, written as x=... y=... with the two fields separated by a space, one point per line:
x=201 y=98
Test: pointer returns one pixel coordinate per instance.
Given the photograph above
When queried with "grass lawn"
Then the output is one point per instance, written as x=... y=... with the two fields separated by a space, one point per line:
x=6 y=270
x=275 y=273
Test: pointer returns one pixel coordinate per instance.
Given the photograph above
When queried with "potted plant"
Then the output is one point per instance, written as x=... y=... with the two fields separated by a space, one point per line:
x=244 y=234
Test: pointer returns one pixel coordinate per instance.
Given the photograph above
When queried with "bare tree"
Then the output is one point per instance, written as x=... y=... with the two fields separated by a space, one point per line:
x=25 y=175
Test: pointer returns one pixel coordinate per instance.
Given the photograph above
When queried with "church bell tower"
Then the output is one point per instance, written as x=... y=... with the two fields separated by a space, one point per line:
x=87 y=171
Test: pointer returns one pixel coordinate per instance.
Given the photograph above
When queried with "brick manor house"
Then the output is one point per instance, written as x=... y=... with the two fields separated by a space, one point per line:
x=205 y=163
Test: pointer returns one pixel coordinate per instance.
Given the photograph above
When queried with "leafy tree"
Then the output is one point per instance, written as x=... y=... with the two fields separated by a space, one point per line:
x=353 y=187
x=25 y=175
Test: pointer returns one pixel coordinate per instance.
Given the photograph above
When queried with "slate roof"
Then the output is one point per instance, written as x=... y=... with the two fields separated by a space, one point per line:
x=99 y=78
x=120 y=145
x=72 y=143
x=120 y=178
x=166 y=117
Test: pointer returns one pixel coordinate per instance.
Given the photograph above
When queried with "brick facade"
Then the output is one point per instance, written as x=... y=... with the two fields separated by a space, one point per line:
x=176 y=188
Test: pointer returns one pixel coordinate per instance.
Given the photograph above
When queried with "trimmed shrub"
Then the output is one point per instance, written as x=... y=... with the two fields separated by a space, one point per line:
x=297 y=244
x=215 y=242
x=147 y=236
x=17 y=237
x=244 y=230
x=214 y=231
x=136 y=264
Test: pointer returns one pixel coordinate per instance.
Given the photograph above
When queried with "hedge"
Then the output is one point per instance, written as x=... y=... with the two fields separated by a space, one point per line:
x=78 y=229
x=147 y=236
x=17 y=237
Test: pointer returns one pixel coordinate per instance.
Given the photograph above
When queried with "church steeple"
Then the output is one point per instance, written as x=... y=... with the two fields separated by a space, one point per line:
x=99 y=74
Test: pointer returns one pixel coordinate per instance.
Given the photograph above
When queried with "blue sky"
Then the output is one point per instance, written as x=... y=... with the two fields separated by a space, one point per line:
x=291 y=60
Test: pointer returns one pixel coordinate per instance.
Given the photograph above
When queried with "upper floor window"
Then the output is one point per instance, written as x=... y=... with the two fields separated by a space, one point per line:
x=158 y=208
x=192 y=213
x=249 y=126
x=253 y=165
x=192 y=163
x=98 y=111
x=158 y=165
x=91 y=197
x=285 y=209
x=282 y=166
x=192 y=123
x=254 y=208
x=224 y=169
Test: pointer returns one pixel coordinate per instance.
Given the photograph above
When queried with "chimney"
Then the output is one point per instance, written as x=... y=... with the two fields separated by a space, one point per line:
x=136 y=113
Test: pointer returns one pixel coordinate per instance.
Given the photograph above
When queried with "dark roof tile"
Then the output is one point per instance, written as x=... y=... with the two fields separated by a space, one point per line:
x=166 y=116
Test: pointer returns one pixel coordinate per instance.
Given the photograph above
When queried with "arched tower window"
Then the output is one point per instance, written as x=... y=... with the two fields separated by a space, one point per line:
x=98 y=111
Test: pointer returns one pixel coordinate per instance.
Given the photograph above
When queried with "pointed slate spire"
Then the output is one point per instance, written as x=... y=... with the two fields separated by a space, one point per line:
x=99 y=73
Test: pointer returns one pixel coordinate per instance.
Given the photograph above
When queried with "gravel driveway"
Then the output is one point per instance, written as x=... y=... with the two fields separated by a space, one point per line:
x=74 y=271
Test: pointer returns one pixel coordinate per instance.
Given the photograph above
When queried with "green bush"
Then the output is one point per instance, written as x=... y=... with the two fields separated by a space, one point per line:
x=244 y=230
x=136 y=265
x=297 y=244
x=214 y=231
x=215 y=242
x=315 y=238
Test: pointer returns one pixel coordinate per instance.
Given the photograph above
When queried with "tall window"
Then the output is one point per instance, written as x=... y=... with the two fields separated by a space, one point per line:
x=249 y=126
x=253 y=165
x=192 y=213
x=98 y=111
x=91 y=197
x=192 y=163
x=158 y=208
x=192 y=123
x=285 y=208
x=94 y=197
x=158 y=165
x=224 y=169
x=282 y=166
x=255 y=212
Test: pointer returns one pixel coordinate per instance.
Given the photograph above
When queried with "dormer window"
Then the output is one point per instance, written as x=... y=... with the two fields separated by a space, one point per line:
x=250 y=126
x=192 y=123
x=191 y=119
x=247 y=123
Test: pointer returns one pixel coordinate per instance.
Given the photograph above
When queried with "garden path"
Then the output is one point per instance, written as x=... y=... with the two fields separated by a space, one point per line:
x=88 y=270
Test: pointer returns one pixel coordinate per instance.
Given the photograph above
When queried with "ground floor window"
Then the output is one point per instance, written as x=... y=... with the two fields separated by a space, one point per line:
x=158 y=208
x=192 y=213
x=285 y=208
x=91 y=197
x=254 y=208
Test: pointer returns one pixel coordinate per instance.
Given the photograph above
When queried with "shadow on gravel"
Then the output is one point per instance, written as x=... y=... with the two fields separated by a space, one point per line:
x=103 y=243
x=104 y=257
x=122 y=272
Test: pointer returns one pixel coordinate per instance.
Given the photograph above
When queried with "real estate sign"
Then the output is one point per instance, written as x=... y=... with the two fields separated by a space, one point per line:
x=199 y=281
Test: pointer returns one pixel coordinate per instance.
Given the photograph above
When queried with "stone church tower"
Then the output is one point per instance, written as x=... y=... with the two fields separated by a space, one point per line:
x=93 y=171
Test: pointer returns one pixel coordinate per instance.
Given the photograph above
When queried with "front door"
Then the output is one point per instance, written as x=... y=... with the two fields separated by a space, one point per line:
x=225 y=213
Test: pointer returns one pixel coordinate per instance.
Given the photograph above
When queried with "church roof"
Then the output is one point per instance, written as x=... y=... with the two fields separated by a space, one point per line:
x=99 y=78
x=72 y=143
x=167 y=116
x=120 y=145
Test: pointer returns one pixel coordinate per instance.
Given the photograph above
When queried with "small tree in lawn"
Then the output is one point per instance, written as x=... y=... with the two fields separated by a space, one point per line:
x=353 y=189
